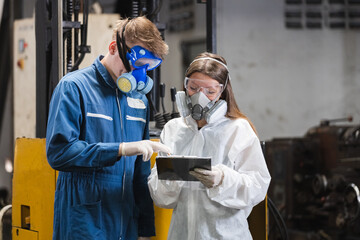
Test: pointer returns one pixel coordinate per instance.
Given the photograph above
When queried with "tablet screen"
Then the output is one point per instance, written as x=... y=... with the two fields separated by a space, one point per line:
x=178 y=167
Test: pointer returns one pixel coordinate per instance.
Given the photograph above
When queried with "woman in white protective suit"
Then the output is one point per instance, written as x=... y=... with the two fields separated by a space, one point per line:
x=216 y=206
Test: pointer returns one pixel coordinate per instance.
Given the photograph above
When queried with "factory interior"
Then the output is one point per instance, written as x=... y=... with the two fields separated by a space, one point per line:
x=294 y=72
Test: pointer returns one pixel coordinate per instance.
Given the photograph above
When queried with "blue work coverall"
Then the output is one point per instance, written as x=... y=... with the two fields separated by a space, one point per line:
x=98 y=195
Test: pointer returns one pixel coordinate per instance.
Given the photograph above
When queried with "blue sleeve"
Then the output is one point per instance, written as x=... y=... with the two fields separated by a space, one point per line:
x=65 y=151
x=146 y=221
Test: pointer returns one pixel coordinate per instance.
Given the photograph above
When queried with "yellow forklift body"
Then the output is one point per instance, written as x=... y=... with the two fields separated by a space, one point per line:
x=33 y=191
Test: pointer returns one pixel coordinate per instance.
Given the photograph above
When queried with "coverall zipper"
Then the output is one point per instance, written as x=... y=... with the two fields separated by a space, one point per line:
x=124 y=174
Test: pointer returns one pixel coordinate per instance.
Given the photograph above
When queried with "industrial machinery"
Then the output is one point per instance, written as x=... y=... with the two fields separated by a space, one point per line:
x=316 y=180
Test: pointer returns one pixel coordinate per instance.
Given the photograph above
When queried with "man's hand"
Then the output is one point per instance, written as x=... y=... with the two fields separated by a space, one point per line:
x=144 y=147
x=143 y=238
x=209 y=178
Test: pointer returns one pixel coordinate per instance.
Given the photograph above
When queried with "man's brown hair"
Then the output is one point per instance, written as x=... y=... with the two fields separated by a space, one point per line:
x=141 y=29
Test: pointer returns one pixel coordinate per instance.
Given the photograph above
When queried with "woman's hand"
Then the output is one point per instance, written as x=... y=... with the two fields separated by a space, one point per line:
x=209 y=178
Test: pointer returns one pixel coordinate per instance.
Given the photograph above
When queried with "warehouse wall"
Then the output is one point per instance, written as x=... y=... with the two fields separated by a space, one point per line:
x=285 y=80
x=288 y=80
x=172 y=68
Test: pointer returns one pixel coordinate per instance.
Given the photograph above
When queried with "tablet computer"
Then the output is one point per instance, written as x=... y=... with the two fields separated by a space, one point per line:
x=178 y=167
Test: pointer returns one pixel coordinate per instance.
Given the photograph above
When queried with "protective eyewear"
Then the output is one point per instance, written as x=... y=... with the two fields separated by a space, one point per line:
x=209 y=89
x=140 y=57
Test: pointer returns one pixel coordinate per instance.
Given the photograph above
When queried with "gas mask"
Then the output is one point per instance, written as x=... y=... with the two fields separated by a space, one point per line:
x=199 y=104
x=142 y=61
x=200 y=107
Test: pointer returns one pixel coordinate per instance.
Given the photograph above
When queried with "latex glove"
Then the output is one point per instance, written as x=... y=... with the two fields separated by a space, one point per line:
x=211 y=178
x=144 y=147
x=143 y=238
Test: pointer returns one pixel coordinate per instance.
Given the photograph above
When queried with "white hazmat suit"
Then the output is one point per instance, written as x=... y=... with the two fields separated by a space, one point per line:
x=220 y=212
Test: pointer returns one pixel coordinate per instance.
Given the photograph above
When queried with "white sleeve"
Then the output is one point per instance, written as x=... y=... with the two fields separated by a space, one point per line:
x=165 y=193
x=245 y=185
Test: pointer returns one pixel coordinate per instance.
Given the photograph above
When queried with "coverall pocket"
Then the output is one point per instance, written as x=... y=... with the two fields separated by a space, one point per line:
x=136 y=119
x=99 y=123
x=86 y=222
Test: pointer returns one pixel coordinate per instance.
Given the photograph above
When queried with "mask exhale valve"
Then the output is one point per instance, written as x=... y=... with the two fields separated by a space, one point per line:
x=199 y=105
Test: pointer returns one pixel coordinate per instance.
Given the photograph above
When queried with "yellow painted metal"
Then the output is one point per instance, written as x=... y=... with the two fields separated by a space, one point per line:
x=22 y=234
x=258 y=221
x=162 y=215
x=33 y=191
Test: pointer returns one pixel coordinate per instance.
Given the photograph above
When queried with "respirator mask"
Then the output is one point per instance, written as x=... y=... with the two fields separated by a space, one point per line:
x=142 y=60
x=199 y=103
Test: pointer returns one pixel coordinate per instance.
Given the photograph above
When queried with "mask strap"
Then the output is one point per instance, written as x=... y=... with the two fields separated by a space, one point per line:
x=209 y=58
x=122 y=48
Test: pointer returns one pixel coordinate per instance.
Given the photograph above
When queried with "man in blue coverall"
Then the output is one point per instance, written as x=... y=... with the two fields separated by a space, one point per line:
x=97 y=138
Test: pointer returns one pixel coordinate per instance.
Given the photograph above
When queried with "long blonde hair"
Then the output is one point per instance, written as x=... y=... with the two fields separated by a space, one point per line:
x=220 y=73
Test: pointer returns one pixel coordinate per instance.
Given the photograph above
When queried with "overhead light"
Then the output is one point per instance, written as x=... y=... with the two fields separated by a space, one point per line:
x=8 y=165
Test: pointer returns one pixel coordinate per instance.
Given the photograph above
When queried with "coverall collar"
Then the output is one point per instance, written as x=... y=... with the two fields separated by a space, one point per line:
x=106 y=79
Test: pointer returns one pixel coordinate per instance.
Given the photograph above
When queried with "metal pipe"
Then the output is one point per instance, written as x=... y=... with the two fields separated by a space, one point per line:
x=211 y=26
x=76 y=31
x=83 y=48
x=69 y=13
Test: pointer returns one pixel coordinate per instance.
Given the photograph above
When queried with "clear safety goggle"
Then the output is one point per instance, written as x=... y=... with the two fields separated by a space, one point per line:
x=211 y=90
x=140 y=57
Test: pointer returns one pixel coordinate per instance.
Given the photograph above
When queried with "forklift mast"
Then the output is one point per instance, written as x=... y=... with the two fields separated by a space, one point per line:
x=59 y=50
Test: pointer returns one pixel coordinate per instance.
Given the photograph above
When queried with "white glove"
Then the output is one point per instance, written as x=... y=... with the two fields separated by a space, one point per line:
x=211 y=178
x=144 y=147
